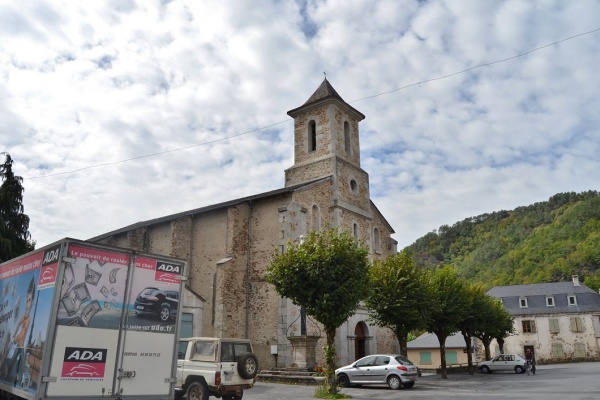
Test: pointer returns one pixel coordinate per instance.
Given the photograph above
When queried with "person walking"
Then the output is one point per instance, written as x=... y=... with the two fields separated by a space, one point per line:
x=530 y=357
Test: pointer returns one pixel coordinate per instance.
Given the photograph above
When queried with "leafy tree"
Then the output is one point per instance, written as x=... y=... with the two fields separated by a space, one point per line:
x=14 y=224
x=494 y=323
x=474 y=308
x=448 y=302
x=398 y=296
x=328 y=275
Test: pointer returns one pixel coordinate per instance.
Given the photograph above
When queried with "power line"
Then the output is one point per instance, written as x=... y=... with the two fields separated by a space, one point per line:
x=156 y=154
x=477 y=66
x=353 y=101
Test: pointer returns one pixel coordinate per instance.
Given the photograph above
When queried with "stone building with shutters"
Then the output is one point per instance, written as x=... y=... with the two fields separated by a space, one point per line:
x=558 y=321
x=228 y=246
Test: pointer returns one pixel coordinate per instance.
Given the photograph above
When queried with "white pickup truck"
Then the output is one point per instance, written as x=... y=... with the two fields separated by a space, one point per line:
x=215 y=366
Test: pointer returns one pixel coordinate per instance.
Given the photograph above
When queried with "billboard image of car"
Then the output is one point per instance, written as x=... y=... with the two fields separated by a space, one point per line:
x=160 y=303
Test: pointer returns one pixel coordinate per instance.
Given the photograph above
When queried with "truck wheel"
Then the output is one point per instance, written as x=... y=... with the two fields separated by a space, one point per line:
x=164 y=313
x=197 y=391
x=247 y=366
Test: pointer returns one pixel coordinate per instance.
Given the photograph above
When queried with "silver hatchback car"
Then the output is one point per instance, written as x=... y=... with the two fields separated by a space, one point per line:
x=391 y=369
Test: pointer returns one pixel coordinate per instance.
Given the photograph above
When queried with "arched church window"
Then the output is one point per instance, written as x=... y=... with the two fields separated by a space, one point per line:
x=316 y=218
x=355 y=230
x=347 y=137
x=376 y=240
x=353 y=186
x=312 y=136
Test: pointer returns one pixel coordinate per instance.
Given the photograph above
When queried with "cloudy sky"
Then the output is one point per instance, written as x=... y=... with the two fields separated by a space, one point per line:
x=121 y=111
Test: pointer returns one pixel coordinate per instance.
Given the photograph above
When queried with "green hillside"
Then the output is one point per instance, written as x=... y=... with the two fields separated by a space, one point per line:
x=545 y=242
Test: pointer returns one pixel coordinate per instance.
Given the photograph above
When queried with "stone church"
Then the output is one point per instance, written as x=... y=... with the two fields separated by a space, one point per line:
x=228 y=246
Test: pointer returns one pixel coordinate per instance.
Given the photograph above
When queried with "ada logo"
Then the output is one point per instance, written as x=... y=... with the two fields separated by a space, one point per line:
x=83 y=362
x=51 y=256
x=49 y=267
x=168 y=272
x=169 y=267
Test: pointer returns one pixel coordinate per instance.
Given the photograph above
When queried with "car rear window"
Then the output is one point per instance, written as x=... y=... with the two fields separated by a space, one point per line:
x=403 y=360
x=150 y=291
x=231 y=351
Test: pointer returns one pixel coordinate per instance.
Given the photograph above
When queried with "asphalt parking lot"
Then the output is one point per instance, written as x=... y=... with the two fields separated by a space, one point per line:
x=559 y=381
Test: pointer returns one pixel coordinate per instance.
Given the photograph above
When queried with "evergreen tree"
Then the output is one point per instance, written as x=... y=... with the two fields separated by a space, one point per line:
x=14 y=224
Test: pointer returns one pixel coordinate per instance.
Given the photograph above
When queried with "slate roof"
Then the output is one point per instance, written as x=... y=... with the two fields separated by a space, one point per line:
x=430 y=341
x=536 y=294
x=212 y=207
x=323 y=93
x=225 y=204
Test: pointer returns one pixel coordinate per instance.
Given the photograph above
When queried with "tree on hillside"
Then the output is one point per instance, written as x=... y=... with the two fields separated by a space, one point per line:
x=327 y=275
x=398 y=296
x=494 y=323
x=448 y=302
x=545 y=242
x=14 y=224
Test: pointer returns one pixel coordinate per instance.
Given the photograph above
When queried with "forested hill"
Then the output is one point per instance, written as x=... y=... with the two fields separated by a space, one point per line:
x=545 y=242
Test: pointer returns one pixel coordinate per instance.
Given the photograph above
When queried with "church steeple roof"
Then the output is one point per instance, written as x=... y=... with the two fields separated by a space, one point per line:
x=323 y=91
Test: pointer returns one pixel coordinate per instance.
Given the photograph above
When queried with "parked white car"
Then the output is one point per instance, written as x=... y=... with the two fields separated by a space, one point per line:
x=504 y=362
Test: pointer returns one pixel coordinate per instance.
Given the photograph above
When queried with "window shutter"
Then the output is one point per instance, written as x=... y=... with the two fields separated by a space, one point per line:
x=533 y=328
x=579 y=349
x=576 y=324
x=554 y=325
x=425 y=357
x=557 y=350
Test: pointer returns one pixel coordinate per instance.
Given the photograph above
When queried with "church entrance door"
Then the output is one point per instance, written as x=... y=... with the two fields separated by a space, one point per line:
x=359 y=341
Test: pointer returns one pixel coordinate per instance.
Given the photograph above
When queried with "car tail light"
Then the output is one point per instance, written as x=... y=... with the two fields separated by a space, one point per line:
x=402 y=368
x=217 y=378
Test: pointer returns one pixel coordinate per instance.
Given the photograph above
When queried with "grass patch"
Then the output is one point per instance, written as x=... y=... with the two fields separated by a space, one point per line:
x=322 y=392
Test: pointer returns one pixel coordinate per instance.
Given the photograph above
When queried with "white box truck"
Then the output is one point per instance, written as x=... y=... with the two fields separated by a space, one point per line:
x=80 y=320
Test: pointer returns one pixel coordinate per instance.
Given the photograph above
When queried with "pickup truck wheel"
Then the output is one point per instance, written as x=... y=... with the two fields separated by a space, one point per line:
x=247 y=366
x=197 y=391
x=164 y=313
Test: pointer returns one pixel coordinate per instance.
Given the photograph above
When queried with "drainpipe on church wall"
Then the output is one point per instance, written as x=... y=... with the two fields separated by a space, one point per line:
x=248 y=242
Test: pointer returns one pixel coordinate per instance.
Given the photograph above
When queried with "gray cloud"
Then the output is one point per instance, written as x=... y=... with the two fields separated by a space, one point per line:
x=99 y=83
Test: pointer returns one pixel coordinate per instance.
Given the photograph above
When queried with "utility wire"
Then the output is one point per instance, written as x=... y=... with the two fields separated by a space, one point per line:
x=477 y=66
x=156 y=154
x=353 y=101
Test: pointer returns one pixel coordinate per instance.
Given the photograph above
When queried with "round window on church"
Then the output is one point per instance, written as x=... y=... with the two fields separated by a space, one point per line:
x=354 y=186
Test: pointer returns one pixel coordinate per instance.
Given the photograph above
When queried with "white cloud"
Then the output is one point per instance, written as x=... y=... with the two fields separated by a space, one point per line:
x=84 y=84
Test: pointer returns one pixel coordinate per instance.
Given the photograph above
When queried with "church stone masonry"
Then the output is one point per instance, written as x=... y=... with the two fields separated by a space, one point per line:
x=229 y=245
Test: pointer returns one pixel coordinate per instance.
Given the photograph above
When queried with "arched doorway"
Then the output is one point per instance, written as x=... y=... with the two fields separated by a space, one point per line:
x=360 y=339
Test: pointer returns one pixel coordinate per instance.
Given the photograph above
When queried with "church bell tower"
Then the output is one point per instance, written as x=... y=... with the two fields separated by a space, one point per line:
x=326 y=144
